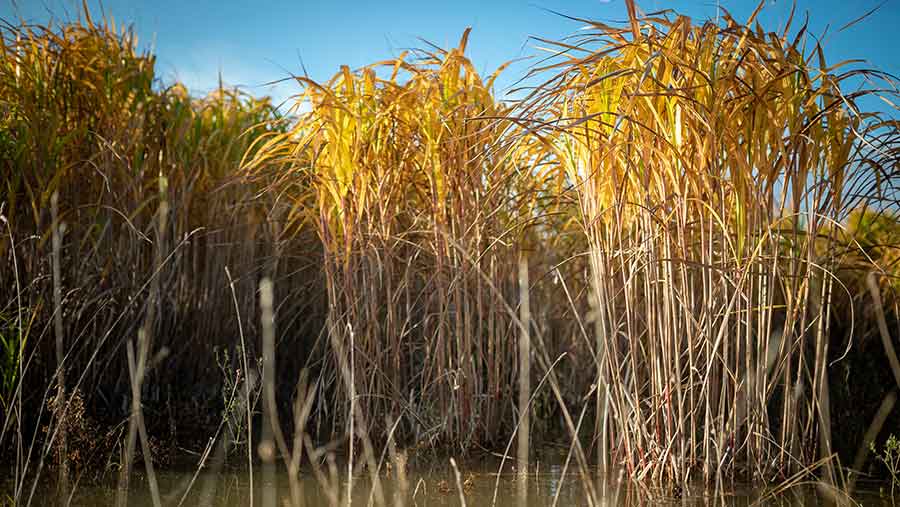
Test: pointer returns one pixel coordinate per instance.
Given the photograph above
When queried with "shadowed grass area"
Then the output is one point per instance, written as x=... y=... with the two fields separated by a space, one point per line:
x=685 y=236
x=149 y=217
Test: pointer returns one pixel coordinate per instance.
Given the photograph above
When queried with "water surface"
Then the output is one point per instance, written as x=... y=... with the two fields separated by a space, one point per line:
x=435 y=485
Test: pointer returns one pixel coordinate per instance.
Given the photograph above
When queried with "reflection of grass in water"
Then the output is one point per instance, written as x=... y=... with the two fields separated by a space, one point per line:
x=233 y=490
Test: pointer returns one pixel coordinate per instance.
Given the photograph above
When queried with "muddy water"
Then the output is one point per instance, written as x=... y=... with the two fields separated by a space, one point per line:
x=480 y=485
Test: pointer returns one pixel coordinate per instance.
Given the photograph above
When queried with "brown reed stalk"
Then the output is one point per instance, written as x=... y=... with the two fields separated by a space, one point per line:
x=60 y=404
x=524 y=431
x=267 y=447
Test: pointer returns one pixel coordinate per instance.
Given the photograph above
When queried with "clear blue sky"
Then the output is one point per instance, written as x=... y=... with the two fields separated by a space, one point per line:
x=256 y=41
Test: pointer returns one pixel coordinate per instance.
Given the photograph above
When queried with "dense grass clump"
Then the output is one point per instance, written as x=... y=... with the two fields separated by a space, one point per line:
x=148 y=217
x=668 y=252
x=714 y=165
x=423 y=205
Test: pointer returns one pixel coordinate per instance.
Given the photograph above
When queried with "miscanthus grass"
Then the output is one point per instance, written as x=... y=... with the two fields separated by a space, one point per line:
x=661 y=251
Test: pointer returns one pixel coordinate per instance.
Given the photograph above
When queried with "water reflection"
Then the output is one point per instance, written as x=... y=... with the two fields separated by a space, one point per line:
x=437 y=486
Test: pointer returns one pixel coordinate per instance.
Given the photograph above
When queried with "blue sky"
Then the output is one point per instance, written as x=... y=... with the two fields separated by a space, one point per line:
x=255 y=42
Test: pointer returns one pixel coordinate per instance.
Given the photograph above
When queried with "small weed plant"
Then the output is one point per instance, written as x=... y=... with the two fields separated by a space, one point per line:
x=890 y=456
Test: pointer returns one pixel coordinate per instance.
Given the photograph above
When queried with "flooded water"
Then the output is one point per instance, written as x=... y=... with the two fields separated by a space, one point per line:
x=478 y=485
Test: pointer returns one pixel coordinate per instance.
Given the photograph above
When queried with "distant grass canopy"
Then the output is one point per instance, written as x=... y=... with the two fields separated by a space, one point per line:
x=64 y=92
x=140 y=169
x=714 y=164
